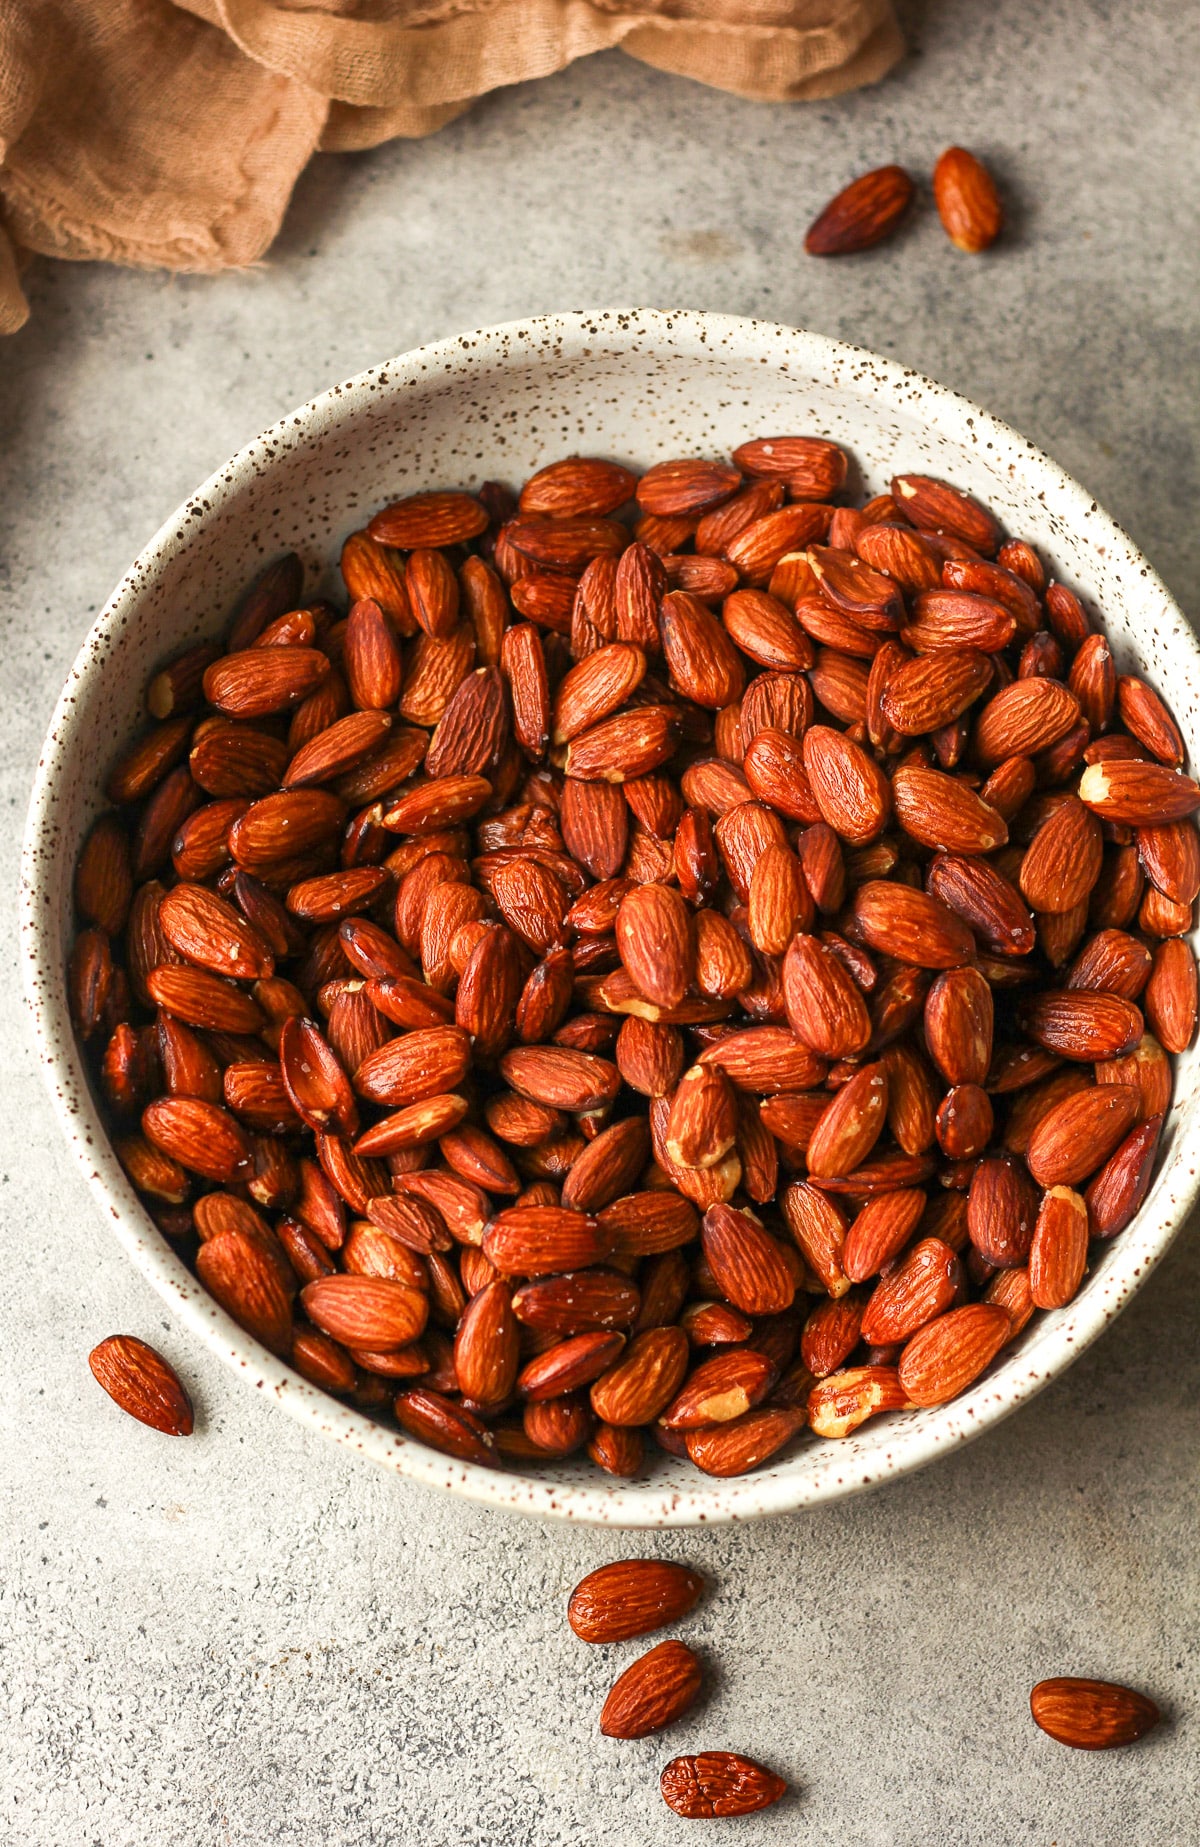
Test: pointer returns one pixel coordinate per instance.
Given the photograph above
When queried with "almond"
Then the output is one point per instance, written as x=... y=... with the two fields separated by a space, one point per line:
x=1082 y=1026
x=435 y=1419
x=923 y=1285
x=487 y=1345
x=1058 y=1255
x=958 y=1025
x=655 y=941
x=949 y=1353
x=819 y=1228
x=644 y=1380
x=746 y=1442
x=940 y=811
x=245 y=1279
x=814 y=467
x=720 y=1389
x=201 y=1136
x=652 y=1693
x=880 y=1232
x=1001 y=1211
x=1171 y=996
x=633 y=743
x=1119 y=1188
x=930 y=503
x=851 y=792
x=910 y=925
x=758 y=548
x=569 y=1365
x=980 y=894
x=702 y=661
x=1063 y=861
x=578 y=487
x=1138 y=793
x=1091 y=1715
x=365 y=1311
x=578 y=1302
x=850 y=1124
x=632 y=1597
x=374 y=571
x=967 y=201
x=1074 y=1137
x=746 y=1262
x=839 y=1404
x=543 y=1240
x=1147 y=717
x=862 y=214
x=142 y=1383
x=414 y=1066
x=703 y=1120
x=719 y=1783
x=429 y=519
x=825 y=1008
x=686 y=486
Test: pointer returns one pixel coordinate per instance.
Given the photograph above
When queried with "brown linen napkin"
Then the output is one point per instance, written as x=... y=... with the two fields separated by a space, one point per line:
x=170 y=136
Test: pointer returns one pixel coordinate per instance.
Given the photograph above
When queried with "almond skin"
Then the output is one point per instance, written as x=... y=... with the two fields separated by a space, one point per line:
x=1075 y=1137
x=967 y=201
x=949 y=1353
x=745 y=1442
x=717 y=1783
x=141 y=1382
x=1058 y=1255
x=631 y=1597
x=825 y=1008
x=1091 y=1715
x=746 y=1262
x=644 y=1380
x=862 y=214
x=658 y=1688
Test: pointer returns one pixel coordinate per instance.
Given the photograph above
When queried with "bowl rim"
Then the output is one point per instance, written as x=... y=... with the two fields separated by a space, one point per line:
x=912 y=1444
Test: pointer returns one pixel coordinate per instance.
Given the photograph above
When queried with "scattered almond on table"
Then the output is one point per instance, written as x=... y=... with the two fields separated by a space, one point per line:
x=872 y=207
x=1092 y=1715
x=142 y=1383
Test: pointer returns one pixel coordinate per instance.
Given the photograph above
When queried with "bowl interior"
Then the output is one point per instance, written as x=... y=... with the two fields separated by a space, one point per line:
x=637 y=387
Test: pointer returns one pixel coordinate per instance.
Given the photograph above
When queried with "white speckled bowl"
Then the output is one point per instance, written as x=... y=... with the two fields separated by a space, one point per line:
x=638 y=386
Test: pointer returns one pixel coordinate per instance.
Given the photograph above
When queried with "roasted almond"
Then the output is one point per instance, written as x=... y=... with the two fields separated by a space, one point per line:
x=653 y=1692
x=717 y=1783
x=631 y=1597
x=1091 y=1715
x=862 y=214
x=967 y=201
x=140 y=1381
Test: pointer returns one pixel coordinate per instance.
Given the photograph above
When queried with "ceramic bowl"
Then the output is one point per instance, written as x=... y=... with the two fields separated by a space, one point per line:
x=639 y=386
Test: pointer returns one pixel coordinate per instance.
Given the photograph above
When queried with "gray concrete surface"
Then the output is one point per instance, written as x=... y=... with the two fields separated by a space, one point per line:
x=251 y=1639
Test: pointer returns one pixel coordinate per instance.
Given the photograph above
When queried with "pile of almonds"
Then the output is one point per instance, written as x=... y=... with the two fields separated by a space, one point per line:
x=682 y=955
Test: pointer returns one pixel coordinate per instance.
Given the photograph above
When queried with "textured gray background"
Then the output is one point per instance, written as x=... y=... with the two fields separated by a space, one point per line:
x=251 y=1638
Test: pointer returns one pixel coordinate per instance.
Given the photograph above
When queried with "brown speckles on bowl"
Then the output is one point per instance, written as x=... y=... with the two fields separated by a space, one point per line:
x=637 y=386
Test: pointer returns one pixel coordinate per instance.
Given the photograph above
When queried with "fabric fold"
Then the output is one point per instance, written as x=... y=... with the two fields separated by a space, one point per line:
x=170 y=135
